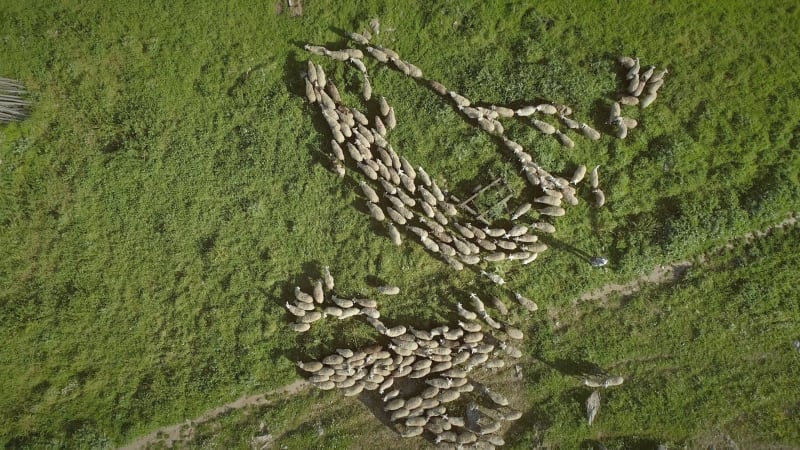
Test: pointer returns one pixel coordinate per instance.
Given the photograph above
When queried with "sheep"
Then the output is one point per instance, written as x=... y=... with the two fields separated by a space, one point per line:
x=302 y=296
x=647 y=74
x=513 y=333
x=429 y=244
x=310 y=317
x=599 y=197
x=639 y=89
x=578 y=175
x=629 y=122
x=615 y=112
x=479 y=234
x=647 y=99
x=394 y=404
x=436 y=191
x=496 y=279
x=520 y=211
x=633 y=71
x=536 y=247
x=370 y=193
x=316 y=49
x=354 y=153
x=543 y=227
x=399 y=414
x=311 y=94
x=613 y=381
x=554 y=211
x=510 y=350
x=333 y=91
x=359 y=116
x=375 y=211
x=622 y=130
x=471 y=327
x=525 y=302
x=437 y=87
x=503 y=111
x=465 y=313
x=413 y=402
x=325 y=385
x=460 y=100
x=632 y=86
x=551 y=200
x=439 y=217
x=594 y=177
x=589 y=132
x=544 y=127
x=486 y=125
x=366 y=302
x=519 y=256
x=366 y=89
x=447 y=250
x=388 y=290
x=396 y=216
x=441 y=366
x=395 y=331
x=546 y=108
x=626 y=61
x=472 y=113
x=564 y=140
x=317 y=292
x=391 y=121
x=516 y=230
x=311 y=366
x=407 y=182
x=658 y=76
x=496 y=397
x=473 y=337
x=396 y=203
x=453 y=334
x=457 y=375
x=570 y=123
x=592 y=406
x=416 y=422
x=525 y=111
x=495 y=257
x=342 y=302
x=628 y=100
x=411 y=431
x=349 y=312
x=326 y=100
x=448 y=396
x=394 y=234
x=380 y=127
x=494 y=232
x=469 y=259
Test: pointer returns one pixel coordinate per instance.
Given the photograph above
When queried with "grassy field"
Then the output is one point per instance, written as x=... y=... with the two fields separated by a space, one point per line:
x=693 y=378
x=167 y=194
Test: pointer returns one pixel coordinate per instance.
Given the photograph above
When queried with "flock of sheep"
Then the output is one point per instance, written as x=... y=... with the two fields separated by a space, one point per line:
x=422 y=374
x=647 y=83
x=424 y=378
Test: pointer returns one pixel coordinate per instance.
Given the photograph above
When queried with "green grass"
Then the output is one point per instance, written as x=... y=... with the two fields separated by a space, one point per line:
x=167 y=193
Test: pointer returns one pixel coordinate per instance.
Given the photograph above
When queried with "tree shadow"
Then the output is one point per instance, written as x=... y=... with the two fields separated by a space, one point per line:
x=534 y=418
x=575 y=368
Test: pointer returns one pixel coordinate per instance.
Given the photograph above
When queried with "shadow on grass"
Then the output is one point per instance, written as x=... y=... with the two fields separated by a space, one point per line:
x=557 y=244
x=622 y=443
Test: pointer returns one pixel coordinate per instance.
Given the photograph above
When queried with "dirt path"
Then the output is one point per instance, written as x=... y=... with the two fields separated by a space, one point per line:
x=674 y=271
x=662 y=274
x=170 y=434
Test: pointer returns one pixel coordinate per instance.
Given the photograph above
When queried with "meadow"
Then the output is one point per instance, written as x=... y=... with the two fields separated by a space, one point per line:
x=169 y=191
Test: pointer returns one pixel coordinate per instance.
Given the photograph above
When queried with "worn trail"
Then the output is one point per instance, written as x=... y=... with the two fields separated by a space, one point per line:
x=674 y=271
x=173 y=433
